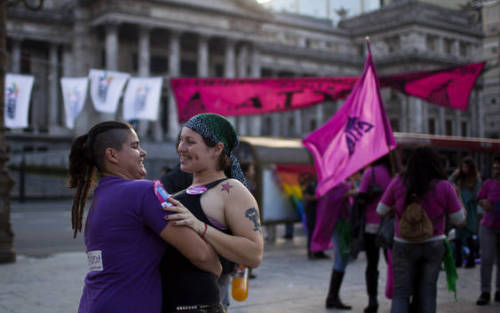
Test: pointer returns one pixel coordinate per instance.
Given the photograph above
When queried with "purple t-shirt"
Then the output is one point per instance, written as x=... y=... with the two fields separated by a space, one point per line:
x=440 y=201
x=124 y=248
x=382 y=179
x=490 y=190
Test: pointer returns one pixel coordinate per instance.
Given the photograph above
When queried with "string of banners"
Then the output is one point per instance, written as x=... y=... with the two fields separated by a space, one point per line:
x=449 y=87
x=141 y=99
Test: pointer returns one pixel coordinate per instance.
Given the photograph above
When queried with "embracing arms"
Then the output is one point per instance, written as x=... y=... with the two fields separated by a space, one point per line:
x=193 y=247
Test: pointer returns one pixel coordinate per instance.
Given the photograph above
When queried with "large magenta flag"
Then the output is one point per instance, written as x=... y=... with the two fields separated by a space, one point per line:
x=356 y=135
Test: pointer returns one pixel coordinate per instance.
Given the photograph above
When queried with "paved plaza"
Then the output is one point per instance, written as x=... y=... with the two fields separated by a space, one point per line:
x=286 y=282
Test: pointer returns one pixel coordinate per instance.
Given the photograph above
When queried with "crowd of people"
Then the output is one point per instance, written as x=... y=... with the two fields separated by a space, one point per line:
x=425 y=208
x=171 y=245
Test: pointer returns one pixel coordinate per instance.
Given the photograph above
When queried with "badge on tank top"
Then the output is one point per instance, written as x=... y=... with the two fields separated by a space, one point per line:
x=196 y=190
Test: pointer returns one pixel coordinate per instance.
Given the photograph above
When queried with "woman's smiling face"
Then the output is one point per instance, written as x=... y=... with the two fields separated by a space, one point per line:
x=194 y=154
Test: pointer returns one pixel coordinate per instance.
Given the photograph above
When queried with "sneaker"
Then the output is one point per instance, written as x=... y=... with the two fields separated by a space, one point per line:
x=484 y=298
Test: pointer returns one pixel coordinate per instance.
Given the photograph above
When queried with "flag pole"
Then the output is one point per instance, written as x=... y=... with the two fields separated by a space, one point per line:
x=391 y=155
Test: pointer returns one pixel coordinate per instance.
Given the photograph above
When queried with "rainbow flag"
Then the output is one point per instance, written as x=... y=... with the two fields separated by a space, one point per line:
x=289 y=177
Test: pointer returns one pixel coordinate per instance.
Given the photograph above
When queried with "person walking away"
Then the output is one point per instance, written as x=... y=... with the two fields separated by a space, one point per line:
x=374 y=181
x=417 y=257
x=468 y=182
x=125 y=232
x=489 y=233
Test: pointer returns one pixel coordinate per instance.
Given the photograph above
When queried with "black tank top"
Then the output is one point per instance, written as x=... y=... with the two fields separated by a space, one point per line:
x=184 y=284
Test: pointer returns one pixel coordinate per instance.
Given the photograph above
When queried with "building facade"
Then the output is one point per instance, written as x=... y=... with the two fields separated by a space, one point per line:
x=239 y=38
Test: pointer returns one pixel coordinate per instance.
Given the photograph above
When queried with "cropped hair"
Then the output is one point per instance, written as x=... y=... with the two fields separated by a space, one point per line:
x=424 y=166
x=86 y=158
x=224 y=161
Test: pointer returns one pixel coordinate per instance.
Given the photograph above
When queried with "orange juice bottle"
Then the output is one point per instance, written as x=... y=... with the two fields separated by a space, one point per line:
x=240 y=283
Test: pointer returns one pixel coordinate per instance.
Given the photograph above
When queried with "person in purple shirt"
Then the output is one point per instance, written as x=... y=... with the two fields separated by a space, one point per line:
x=416 y=264
x=125 y=232
x=379 y=176
x=489 y=233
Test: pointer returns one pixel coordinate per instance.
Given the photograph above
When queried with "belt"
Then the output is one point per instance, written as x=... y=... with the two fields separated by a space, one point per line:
x=200 y=308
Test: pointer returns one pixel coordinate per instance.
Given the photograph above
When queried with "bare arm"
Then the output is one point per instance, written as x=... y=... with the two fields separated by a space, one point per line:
x=241 y=212
x=193 y=247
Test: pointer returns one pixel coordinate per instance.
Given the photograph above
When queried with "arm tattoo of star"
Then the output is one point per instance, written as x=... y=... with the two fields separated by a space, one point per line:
x=252 y=215
x=226 y=187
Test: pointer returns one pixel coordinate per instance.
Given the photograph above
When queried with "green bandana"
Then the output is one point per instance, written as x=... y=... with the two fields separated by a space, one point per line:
x=217 y=128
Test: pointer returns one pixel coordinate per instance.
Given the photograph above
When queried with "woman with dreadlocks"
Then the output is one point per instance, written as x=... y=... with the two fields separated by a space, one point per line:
x=125 y=231
x=219 y=207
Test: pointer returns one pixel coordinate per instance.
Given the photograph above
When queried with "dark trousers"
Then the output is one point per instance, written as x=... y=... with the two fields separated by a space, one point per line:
x=310 y=212
x=372 y=258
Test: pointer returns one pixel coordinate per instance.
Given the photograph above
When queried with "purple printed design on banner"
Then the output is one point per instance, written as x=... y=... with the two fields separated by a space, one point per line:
x=196 y=190
x=354 y=130
x=12 y=96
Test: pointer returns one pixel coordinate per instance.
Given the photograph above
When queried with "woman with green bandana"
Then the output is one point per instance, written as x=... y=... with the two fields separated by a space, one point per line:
x=220 y=208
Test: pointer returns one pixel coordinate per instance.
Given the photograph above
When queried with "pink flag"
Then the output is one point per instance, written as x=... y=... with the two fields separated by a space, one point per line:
x=446 y=87
x=356 y=135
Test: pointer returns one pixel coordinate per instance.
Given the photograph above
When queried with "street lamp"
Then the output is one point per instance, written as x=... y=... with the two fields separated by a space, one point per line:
x=7 y=253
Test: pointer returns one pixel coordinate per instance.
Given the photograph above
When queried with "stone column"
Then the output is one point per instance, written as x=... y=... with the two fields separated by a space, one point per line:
x=67 y=61
x=144 y=54
x=256 y=120
x=16 y=56
x=143 y=61
x=416 y=115
x=473 y=105
x=112 y=57
x=457 y=131
x=242 y=69
x=230 y=66
x=203 y=56
x=174 y=68
x=53 y=121
x=441 y=129
x=404 y=113
x=455 y=48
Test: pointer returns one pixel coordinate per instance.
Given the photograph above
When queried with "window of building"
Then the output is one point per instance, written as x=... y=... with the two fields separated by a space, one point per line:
x=432 y=42
x=189 y=68
x=267 y=126
x=431 y=126
x=463 y=49
x=448 y=127
x=313 y=124
x=393 y=43
x=448 y=46
x=395 y=124
x=158 y=64
x=464 y=130
x=291 y=127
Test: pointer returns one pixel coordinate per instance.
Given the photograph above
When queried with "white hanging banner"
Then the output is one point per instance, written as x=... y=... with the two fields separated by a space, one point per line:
x=74 y=92
x=106 y=88
x=142 y=99
x=17 y=99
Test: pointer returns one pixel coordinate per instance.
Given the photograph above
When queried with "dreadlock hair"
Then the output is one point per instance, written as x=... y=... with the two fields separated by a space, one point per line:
x=87 y=156
x=424 y=166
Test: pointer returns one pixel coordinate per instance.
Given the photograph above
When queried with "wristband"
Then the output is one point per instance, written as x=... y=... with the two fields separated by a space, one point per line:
x=204 y=231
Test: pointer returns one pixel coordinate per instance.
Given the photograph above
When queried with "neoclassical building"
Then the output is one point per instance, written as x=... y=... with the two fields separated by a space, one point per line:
x=238 y=38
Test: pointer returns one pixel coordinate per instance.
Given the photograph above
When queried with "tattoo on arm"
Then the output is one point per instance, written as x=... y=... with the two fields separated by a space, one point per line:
x=253 y=216
x=226 y=187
